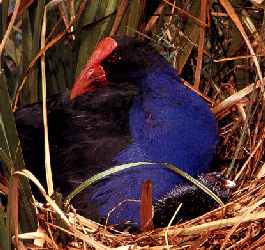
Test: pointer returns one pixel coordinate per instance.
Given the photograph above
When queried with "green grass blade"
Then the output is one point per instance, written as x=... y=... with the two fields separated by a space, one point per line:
x=4 y=238
x=88 y=39
x=103 y=175
x=12 y=149
x=27 y=54
x=122 y=167
x=4 y=15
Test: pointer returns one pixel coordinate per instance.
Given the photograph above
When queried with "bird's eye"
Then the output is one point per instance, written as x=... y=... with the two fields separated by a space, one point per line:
x=115 y=58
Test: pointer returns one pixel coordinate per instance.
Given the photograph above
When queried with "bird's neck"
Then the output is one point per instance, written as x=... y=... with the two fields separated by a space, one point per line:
x=159 y=82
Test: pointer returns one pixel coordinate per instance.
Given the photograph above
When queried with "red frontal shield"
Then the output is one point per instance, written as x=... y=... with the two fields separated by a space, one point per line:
x=93 y=74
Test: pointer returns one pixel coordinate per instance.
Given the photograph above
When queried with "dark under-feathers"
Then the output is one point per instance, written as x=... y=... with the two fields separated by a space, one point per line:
x=84 y=134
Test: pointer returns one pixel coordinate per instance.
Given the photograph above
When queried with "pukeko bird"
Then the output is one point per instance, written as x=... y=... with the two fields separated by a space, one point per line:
x=127 y=105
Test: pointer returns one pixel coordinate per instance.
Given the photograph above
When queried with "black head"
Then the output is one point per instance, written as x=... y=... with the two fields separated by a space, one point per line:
x=116 y=59
x=129 y=60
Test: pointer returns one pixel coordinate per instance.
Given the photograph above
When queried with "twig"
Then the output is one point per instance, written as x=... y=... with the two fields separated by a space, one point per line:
x=10 y=26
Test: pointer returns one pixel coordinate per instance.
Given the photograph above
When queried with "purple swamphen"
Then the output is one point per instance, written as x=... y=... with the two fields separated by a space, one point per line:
x=128 y=105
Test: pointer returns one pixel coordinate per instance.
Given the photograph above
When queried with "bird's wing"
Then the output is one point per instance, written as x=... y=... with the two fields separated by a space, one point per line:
x=29 y=123
x=87 y=133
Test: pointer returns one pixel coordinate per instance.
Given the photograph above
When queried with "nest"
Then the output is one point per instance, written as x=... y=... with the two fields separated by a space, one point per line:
x=239 y=224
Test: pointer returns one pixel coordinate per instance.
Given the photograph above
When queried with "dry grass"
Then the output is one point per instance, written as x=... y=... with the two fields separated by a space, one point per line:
x=239 y=224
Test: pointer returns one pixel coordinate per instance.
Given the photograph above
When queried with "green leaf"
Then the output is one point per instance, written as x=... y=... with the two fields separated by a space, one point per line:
x=4 y=15
x=27 y=55
x=4 y=240
x=11 y=147
x=89 y=38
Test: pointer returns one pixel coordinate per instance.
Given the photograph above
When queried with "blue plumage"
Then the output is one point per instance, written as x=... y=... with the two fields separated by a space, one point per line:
x=168 y=123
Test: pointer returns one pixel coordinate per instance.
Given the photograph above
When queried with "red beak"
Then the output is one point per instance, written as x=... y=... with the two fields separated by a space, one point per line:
x=93 y=74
